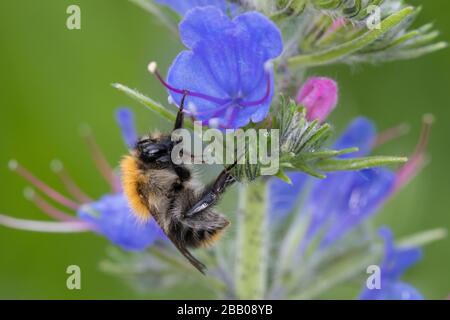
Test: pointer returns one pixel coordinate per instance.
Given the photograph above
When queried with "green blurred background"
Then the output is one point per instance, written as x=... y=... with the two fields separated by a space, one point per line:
x=52 y=80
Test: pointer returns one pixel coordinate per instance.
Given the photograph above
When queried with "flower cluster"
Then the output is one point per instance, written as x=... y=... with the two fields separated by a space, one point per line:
x=109 y=216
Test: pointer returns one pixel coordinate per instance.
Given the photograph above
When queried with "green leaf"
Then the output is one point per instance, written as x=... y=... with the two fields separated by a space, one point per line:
x=304 y=167
x=358 y=163
x=151 y=7
x=150 y=103
x=326 y=154
x=337 y=53
x=282 y=176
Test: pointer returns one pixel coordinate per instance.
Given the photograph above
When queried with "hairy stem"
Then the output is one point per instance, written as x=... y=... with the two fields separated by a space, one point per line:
x=251 y=248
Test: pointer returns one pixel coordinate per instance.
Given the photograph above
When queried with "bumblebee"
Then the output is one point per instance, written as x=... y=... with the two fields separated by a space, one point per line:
x=167 y=192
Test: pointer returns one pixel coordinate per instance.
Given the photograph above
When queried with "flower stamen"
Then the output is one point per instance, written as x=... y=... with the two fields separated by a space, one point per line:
x=418 y=159
x=152 y=68
x=46 y=207
x=44 y=226
x=100 y=160
x=261 y=100
x=70 y=185
x=43 y=187
x=391 y=134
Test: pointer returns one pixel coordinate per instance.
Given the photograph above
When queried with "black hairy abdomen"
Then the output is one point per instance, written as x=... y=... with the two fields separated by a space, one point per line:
x=197 y=230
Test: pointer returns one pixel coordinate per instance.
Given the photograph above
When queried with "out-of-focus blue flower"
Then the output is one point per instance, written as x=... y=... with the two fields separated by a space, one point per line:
x=225 y=72
x=361 y=133
x=348 y=198
x=284 y=197
x=183 y=6
x=343 y=200
x=396 y=261
x=125 y=120
x=111 y=216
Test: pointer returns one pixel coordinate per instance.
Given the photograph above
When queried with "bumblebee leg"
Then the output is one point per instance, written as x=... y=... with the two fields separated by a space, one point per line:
x=187 y=254
x=180 y=115
x=213 y=193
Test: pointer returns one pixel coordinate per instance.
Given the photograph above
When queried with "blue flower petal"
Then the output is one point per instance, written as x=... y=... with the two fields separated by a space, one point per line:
x=343 y=200
x=283 y=196
x=396 y=261
x=392 y=291
x=113 y=218
x=183 y=6
x=362 y=195
x=125 y=119
x=226 y=62
x=361 y=133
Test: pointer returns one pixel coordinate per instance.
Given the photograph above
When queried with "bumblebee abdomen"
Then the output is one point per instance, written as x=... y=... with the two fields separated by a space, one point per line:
x=201 y=231
x=210 y=237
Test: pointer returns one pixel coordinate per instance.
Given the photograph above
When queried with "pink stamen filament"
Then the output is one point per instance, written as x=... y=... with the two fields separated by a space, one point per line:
x=215 y=110
x=214 y=99
x=47 y=190
x=50 y=210
x=43 y=226
x=72 y=187
x=102 y=164
x=417 y=160
x=189 y=93
x=263 y=99
x=391 y=134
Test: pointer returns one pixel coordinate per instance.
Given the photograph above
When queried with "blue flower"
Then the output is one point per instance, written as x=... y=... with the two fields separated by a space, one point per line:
x=284 y=197
x=396 y=261
x=225 y=72
x=183 y=6
x=125 y=120
x=343 y=200
x=109 y=216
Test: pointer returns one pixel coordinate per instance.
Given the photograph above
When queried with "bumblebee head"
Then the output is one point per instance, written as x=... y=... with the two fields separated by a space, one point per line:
x=154 y=149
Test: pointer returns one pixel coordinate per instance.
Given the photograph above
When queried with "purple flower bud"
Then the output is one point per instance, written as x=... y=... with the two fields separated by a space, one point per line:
x=319 y=96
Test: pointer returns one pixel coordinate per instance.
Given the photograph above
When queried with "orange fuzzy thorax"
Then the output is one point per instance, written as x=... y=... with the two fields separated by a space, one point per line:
x=131 y=179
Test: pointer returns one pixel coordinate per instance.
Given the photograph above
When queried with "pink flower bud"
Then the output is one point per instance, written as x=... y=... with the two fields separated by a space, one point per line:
x=319 y=96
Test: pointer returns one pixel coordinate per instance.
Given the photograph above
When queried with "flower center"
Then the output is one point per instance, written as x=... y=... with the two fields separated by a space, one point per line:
x=152 y=67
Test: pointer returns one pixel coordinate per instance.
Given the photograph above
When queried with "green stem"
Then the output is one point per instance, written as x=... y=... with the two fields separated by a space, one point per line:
x=251 y=246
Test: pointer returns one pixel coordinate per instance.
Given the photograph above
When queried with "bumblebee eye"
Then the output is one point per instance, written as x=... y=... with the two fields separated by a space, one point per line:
x=144 y=141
